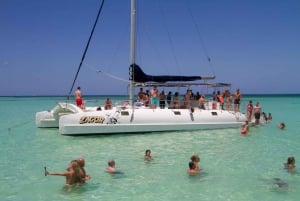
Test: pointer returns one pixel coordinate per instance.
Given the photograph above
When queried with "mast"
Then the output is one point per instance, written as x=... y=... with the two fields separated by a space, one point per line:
x=132 y=52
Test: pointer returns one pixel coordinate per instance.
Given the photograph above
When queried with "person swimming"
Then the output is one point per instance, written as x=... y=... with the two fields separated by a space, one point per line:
x=281 y=125
x=192 y=168
x=72 y=174
x=148 y=156
x=84 y=175
x=112 y=169
x=111 y=166
x=196 y=159
x=290 y=164
x=245 y=127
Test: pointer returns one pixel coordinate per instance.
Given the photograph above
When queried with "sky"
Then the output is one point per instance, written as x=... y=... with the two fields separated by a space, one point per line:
x=252 y=44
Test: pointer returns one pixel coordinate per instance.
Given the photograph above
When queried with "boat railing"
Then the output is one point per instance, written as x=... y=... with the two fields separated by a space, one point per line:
x=209 y=105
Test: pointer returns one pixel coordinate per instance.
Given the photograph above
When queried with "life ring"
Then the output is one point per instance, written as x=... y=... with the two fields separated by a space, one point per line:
x=244 y=131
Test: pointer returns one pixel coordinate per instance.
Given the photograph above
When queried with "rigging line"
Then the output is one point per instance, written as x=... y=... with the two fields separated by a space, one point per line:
x=200 y=38
x=169 y=36
x=155 y=49
x=18 y=125
x=86 y=48
x=106 y=74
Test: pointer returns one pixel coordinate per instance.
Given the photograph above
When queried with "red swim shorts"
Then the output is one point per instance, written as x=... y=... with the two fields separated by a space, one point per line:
x=79 y=101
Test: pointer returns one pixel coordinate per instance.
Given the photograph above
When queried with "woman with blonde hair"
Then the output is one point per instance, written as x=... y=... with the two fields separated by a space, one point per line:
x=72 y=174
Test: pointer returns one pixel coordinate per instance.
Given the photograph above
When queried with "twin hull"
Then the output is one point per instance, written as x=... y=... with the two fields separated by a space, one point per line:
x=144 y=120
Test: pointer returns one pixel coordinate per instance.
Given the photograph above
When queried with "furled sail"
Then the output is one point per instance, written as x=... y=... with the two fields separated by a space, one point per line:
x=140 y=76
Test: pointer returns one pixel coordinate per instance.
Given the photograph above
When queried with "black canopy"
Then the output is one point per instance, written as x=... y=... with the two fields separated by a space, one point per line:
x=140 y=76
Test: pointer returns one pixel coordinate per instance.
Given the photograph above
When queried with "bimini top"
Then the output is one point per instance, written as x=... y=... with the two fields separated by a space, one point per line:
x=140 y=76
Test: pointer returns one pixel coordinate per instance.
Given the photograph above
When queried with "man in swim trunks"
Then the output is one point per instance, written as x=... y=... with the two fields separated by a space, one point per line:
x=237 y=100
x=257 y=111
x=78 y=98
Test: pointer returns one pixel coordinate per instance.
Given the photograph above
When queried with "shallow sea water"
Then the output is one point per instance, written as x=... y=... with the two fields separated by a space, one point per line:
x=233 y=166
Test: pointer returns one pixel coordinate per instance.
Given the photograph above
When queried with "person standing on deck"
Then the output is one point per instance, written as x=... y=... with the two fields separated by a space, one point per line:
x=249 y=110
x=176 y=101
x=154 y=97
x=78 y=98
x=229 y=100
x=237 y=100
x=169 y=99
x=162 y=100
x=202 y=102
x=141 y=95
x=257 y=112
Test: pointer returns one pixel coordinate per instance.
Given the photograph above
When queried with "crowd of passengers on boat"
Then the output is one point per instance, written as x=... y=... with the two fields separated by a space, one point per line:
x=155 y=99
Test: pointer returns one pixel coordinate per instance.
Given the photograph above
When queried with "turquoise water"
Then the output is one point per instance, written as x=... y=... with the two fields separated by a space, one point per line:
x=234 y=167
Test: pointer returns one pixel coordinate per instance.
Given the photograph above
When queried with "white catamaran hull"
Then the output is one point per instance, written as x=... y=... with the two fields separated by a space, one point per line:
x=144 y=120
x=50 y=118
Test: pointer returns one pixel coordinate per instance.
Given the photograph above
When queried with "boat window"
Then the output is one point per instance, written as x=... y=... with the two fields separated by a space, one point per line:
x=214 y=113
x=124 y=113
x=177 y=113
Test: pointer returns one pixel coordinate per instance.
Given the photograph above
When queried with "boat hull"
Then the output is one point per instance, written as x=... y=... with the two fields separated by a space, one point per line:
x=144 y=120
x=46 y=119
x=50 y=118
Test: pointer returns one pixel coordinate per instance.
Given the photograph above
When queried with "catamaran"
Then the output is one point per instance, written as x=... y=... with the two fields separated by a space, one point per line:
x=131 y=117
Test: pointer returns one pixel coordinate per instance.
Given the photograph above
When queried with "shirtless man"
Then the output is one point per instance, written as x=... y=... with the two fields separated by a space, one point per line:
x=192 y=168
x=111 y=166
x=78 y=98
x=84 y=176
x=257 y=111
x=237 y=100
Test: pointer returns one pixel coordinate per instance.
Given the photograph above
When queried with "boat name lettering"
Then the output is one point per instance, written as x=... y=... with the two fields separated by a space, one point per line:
x=92 y=119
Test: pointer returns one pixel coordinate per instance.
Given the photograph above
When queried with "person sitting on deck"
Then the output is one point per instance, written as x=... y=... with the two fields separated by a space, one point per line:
x=108 y=104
